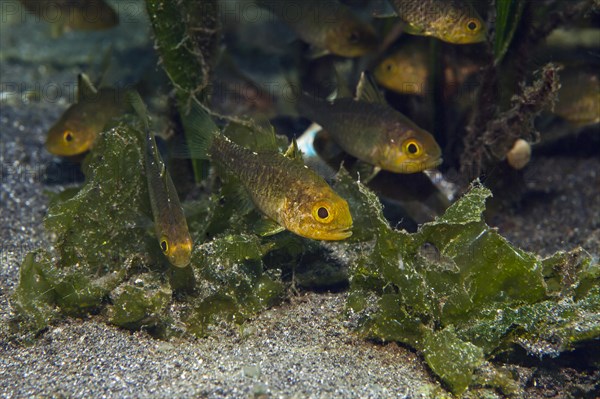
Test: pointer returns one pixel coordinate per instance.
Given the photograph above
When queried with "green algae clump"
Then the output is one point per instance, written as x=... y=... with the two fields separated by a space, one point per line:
x=460 y=293
x=105 y=260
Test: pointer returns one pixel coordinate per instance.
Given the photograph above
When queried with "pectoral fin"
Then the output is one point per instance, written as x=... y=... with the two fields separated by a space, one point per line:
x=413 y=30
x=267 y=227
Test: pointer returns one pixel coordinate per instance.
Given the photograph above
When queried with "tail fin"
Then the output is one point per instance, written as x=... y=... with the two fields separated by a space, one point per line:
x=200 y=130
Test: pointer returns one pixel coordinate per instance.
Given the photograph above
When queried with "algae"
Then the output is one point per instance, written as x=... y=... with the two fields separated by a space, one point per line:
x=104 y=261
x=187 y=34
x=460 y=293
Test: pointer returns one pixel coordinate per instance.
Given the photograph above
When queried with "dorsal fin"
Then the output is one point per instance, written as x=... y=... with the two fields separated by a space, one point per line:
x=367 y=89
x=293 y=152
x=342 y=89
x=104 y=67
x=257 y=135
x=85 y=87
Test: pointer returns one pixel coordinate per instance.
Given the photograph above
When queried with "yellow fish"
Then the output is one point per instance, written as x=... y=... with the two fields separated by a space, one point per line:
x=287 y=192
x=449 y=20
x=579 y=98
x=372 y=131
x=406 y=71
x=76 y=130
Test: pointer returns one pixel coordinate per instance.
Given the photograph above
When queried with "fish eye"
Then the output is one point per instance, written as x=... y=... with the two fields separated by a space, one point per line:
x=412 y=148
x=321 y=213
x=354 y=37
x=164 y=245
x=472 y=25
x=68 y=136
x=389 y=66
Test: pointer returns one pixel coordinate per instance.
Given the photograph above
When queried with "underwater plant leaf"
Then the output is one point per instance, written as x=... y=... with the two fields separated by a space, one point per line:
x=508 y=16
x=230 y=282
x=186 y=34
x=451 y=358
x=367 y=214
x=96 y=235
x=98 y=228
x=140 y=302
x=187 y=37
x=34 y=297
x=458 y=291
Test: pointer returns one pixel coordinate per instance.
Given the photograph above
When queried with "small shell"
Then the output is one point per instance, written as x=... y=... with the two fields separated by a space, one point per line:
x=519 y=155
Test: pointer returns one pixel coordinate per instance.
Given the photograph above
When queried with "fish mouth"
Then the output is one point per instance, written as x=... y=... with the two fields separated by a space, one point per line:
x=434 y=163
x=339 y=234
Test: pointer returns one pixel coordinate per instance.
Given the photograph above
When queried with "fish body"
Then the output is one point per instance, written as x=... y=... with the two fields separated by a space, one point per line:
x=76 y=130
x=67 y=15
x=326 y=24
x=449 y=20
x=579 y=98
x=374 y=133
x=406 y=71
x=170 y=224
x=286 y=191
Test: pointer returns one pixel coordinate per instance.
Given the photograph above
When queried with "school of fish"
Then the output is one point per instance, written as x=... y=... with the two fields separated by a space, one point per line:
x=288 y=194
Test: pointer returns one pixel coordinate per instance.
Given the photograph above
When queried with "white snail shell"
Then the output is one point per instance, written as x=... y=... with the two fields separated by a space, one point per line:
x=519 y=155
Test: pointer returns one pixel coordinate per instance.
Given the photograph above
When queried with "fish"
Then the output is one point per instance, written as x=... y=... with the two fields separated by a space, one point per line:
x=372 y=131
x=290 y=195
x=579 y=97
x=235 y=93
x=66 y=15
x=170 y=224
x=76 y=130
x=449 y=20
x=407 y=71
x=326 y=24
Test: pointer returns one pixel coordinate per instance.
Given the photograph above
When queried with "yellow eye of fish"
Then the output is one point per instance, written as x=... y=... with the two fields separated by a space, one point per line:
x=472 y=25
x=164 y=245
x=389 y=66
x=412 y=148
x=68 y=136
x=321 y=213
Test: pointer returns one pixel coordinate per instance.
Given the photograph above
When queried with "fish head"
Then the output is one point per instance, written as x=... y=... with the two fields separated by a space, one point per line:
x=176 y=244
x=402 y=73
x=351 y=39
x=73 y=134
x=466 y=28
x=414 y=152
x=320 y=214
